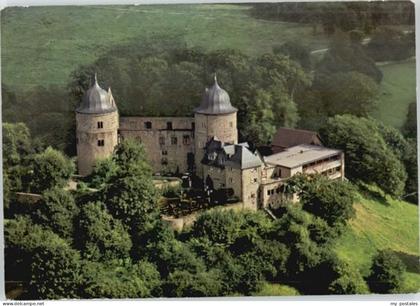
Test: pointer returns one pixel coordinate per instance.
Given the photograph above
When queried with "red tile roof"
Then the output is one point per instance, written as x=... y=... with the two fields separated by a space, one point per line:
x=286 y=138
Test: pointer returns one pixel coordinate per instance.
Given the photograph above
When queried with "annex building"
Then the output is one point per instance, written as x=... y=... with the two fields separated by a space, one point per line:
x=206 y=144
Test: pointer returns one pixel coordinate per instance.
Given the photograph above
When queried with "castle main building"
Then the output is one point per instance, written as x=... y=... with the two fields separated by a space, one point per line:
x=206 y=144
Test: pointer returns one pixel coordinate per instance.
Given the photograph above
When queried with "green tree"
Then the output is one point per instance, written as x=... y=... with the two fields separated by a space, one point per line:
x=327 y=199
x=7 y=193
x=129 y=156
x=50 y=168
x=406 y=151
x=292 y=230
x=218 y=226
x=344 y=55
x=337 y=277
x=386 y=273
x=56 y=270
x=130 y=194
x=16 y=149
x=58 y=211
x=113 y=279
x=297 y=51
x=410 y=125
x=349 y=281
x=367 y=156
x=102 y=172
x=100 y=235
x=182 y=283
x=348 y=93
x=260 y=125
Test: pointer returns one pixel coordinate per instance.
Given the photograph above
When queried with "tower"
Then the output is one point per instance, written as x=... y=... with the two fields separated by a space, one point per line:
x=215 y=117
x=96 y=127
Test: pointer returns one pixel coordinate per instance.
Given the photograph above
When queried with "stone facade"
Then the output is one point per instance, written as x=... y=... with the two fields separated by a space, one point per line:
x=96 y=138
x=169 y=141
x=206 y=145
x=222 y=126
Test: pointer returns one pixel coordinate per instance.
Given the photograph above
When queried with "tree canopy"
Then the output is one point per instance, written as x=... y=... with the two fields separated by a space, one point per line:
x=367 y=156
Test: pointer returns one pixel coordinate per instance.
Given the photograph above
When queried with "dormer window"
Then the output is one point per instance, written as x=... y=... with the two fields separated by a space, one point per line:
x=148 y=125
x=100 y=125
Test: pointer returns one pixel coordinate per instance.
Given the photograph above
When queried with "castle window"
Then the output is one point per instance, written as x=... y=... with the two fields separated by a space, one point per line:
x=255 y=179
x=164 y=161
x=193 y=125
x=148 y=125
x=268 y=192
x=186 y=140
x=164 y=152
x=174 y=140
x=169 y=125
x=101 y=142
x=100 y=125
x=231 y=180
x=161 y=140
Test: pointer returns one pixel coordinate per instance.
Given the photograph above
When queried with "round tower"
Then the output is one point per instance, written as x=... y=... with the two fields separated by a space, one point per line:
x=96 y=127
x=215 y=117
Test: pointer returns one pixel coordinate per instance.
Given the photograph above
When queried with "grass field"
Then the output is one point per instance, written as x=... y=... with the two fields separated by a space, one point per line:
x=381 y=224
x=397 y=91
x=43 y=45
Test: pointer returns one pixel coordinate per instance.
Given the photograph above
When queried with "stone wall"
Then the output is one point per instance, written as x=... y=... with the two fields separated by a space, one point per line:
x=168 y=141
x=251 y=179
x=96 y=138
x=207 y=126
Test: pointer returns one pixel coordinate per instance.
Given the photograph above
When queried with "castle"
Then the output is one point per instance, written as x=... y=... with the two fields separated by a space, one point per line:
x=206 y=144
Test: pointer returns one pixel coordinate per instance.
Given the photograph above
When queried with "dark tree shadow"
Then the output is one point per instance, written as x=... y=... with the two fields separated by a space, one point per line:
x=411 y=261
x=374 y=195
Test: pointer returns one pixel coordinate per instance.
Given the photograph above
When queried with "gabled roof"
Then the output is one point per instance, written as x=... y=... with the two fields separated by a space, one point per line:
x=244 y=158
x=215 y=101
x=230 y=149
x=286 y=137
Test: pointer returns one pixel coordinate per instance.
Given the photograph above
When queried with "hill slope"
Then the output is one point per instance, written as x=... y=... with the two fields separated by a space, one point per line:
x=381 y=224
x=43 y=45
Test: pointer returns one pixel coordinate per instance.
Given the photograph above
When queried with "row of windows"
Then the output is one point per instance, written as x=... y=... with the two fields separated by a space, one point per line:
x=332 y=170
x=272 y=191
x=101 y=142
x=332 y=158
x=186 y=140
x=148 y=125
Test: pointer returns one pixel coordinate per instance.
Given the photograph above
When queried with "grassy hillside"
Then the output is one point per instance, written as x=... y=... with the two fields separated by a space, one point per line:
x=381 y=224
x=42 y=45
x=398 y=90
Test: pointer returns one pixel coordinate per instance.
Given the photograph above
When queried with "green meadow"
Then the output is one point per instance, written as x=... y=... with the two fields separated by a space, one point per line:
x=383 y=224
x=43 y=45
x=397 y=91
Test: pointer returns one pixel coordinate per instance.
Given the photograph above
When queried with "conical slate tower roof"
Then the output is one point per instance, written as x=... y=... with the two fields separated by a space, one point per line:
x=97 y=100
x=215 y=101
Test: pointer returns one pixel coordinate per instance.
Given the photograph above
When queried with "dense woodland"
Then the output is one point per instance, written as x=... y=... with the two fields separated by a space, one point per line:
x=111 y=242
